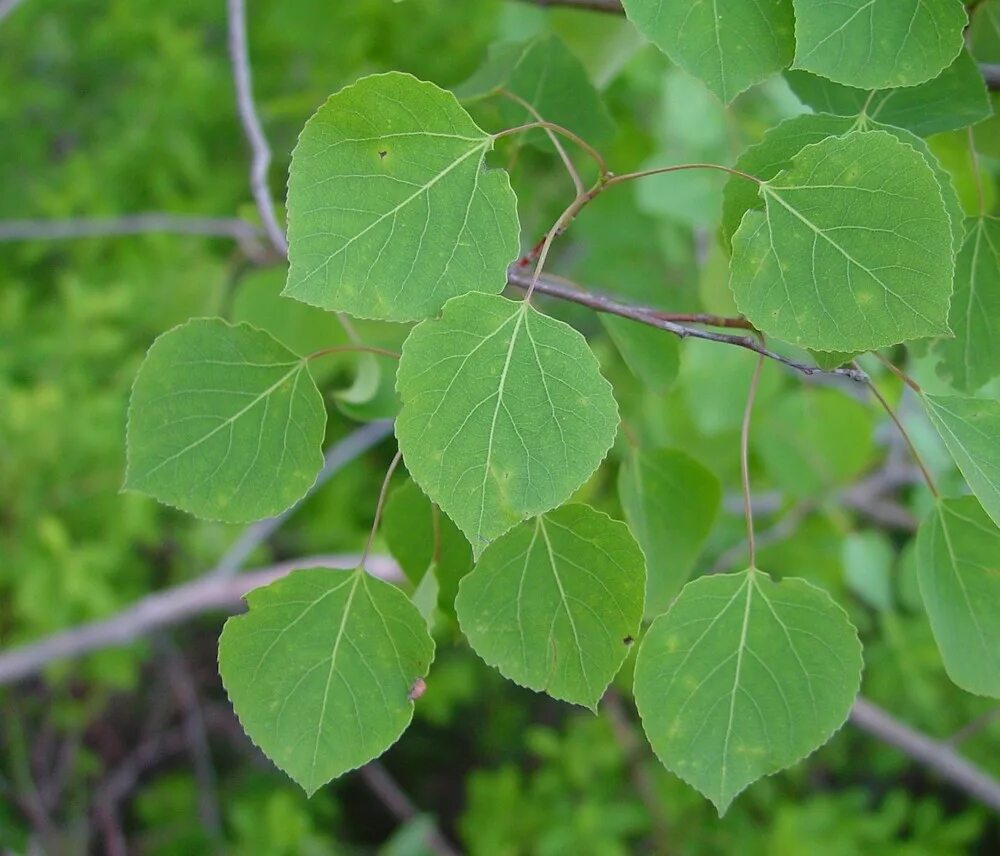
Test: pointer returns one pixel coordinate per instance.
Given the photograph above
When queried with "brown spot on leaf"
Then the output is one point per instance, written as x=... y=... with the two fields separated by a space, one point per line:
x=382 y=154
x=628 y=640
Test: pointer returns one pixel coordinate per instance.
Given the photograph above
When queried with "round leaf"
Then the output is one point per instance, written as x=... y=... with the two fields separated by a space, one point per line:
x=505 y=413
x=224 y=422
x=556 y=603
x=321 y=668
x=743 y=677
x=853 y=250
x=878 y=44
x=728 y=44
x=390 y=209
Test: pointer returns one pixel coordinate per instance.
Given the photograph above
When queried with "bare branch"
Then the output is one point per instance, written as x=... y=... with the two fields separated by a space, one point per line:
x=938 y=756
x=8 y=6
x=394 y=798
x=645 y=315
x=132 y=224
x=259 y=148
x=336 y=458
x=167 y=608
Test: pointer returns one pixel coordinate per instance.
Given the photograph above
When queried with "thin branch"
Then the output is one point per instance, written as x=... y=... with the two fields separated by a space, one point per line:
x=745 y=459
x=131 y=224
x=165 y=609
x=259 y=148
x=336 y=458
x=645 y=315
x=8 y=6
x=906 y=436
x=382 y=494
x=394 y=798
x=974 y=727
x=556 y=144
x=936 y=755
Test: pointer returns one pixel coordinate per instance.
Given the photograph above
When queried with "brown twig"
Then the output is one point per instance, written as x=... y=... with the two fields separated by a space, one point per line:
x=166 y=608
x=644 y=315
x=394 y=798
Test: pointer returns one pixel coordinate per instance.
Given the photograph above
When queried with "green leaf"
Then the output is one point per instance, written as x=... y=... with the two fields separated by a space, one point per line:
x=728 y=44
x=812 y=439
x=986 y=31
x=556 y=603
x=373 y=394
x=671 y=502
x=954 y=99
x=421 y=538
x=320 y=670
x=853 y=250
x=970 y=428
x=828 y=360
x=546 y=74
x=504 y=415
x=744 y=677
x=224 y=422
x=878 y=44
x=390 y=209
x=652 y=355
x=868 y=559
x=972 y=358
x=958 y=566
x=783 y=142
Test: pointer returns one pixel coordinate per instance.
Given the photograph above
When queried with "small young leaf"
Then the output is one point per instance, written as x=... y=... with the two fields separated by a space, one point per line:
x=390 y=209
x=813 y=439
x=744 y=677
x=853 y=250
x=728 y=44
x=970 y=428
x=504 y=415
x=224 y=422
x=320 y=670
x=670 y=502
x=555 y=603
x=878 y=44
x=421 y=538
x=373 y=394
x=546 y=74
x=954 y=99
x=783 y=142
x=651 y=355
x=958 y=566
x=972 y=358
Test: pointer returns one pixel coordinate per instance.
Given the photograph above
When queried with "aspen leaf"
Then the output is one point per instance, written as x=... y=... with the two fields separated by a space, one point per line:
x=970 y=428
x=958 y=567
x=878 y=44
x=670 y=501
x=321 y=668
x=224 y=422
x=853 y=250
x=504 y=414
x=728 y=44
x=556 y=603
x=390 y=208
x=743 y=677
